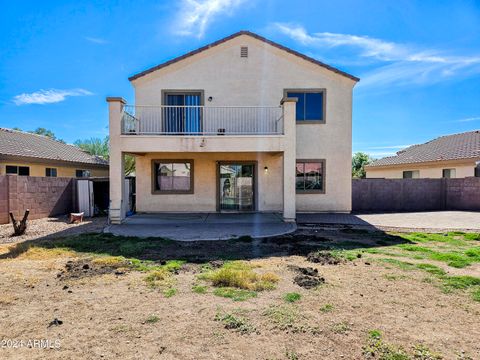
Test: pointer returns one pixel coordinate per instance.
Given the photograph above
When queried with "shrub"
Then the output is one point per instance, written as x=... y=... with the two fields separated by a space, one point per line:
x=292 y=297
x=240 y=275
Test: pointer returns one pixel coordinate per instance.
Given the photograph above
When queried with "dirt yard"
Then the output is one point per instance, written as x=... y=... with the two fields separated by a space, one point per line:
x=315 y=294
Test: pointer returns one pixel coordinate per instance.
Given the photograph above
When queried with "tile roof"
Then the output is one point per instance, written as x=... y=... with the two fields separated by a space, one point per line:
x=15 y=143
x=450 y=147
x=239 y=33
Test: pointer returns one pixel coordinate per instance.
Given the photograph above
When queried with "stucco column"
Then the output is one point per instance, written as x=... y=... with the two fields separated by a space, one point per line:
x=117 y=163
x=289 y=158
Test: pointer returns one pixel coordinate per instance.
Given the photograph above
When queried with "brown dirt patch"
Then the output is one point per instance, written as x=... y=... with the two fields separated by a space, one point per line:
x=50 y=228
x=106 y=316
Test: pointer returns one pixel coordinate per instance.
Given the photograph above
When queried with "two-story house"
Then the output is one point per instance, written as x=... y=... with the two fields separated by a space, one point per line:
x=242 y=124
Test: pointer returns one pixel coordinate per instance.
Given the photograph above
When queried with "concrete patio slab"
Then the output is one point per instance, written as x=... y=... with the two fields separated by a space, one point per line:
x=434 y=220
x=201 y=226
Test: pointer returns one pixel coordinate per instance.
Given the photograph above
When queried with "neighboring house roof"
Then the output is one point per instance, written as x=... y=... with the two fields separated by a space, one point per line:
x=19 y=144
x=248 y=33
x=451 y=147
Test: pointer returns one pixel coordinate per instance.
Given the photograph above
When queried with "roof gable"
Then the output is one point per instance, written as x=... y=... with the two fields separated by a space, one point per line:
x=253 y=35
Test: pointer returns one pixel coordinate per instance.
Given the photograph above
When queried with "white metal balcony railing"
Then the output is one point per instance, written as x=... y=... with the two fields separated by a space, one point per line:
x=202 y=120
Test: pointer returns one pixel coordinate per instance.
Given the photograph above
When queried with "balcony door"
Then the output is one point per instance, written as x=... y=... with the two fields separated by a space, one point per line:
x=236 y=186
x=183 y=113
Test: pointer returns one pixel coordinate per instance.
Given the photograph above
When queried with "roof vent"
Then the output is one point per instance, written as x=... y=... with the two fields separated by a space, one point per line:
x=244 y=51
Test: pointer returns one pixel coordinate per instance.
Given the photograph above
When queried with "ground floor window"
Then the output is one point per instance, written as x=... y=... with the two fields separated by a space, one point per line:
x=173 y=176
x=477 y=170
x=414 y=174
x=448 y=173
x=50 y=172
x=310 y=176
x=82 y=173
x=18 y=170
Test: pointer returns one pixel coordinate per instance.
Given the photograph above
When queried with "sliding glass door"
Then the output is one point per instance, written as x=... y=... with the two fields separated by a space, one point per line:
x=183 y=114
x=236 y=186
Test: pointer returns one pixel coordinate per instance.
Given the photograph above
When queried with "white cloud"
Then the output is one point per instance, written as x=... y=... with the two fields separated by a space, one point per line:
x=96 y=40
x=398 y=64
x=474 y=118
x=196 y=15
x=48 y=96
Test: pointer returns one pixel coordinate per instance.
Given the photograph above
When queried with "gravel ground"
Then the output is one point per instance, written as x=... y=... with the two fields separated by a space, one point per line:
x=51 y=227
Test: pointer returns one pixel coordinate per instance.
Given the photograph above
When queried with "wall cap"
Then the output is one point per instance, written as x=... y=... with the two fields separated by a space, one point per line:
x=116 y=99
x=288 y=99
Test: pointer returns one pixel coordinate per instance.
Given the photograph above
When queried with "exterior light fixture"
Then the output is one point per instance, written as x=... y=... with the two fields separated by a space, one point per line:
x=265 y=169
x=210 y=98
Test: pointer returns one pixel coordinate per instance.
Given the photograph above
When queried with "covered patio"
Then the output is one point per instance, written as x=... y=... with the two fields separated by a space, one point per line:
x=203 y=226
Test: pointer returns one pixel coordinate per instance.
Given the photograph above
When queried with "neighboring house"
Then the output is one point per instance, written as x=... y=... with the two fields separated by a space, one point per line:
x=27 y=154
x=242 y=124
x=451 y=156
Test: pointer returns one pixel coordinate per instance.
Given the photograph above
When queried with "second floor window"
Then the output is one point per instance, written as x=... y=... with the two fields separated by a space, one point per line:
x=310 y=105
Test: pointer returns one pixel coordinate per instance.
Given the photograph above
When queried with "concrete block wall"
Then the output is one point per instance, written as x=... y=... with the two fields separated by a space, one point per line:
x=391 y=195
x=43 y=196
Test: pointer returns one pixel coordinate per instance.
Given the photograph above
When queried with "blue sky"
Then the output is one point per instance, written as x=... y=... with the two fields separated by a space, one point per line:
x=419 y=61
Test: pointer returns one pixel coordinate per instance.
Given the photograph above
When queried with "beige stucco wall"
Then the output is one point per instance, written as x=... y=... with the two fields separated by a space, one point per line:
x=425 y=171
x=204 y=198
x=37 y=169
x=260 y=80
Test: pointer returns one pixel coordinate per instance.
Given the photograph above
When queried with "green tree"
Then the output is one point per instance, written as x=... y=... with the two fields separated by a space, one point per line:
x=99 y=147
x=94 y=146
x=359 y=160
x=46 y=132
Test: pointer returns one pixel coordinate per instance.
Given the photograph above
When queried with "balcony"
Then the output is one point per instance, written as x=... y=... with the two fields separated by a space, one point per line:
x=169 y=120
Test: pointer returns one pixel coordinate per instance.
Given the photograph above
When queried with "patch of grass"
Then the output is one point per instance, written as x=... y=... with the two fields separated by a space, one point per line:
x=199 y=289
x=326 y=308
x=235 y=322
x=341 y=328
x=239 y=274
x=158 y=278
x=451 y=238
x=460 y=282
x=40 y=253
x=169 y=292
x=421 y=352
x=292 y=297
x=95 y=243
x=377 y=349
x=152 y=319
x=472 y=236
x=285 y=317
x=111 y=261
x=401 y=264
x=234 y=294
x=432 y=269
x=291 y=355
x=476 y=294
x=449 y=283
